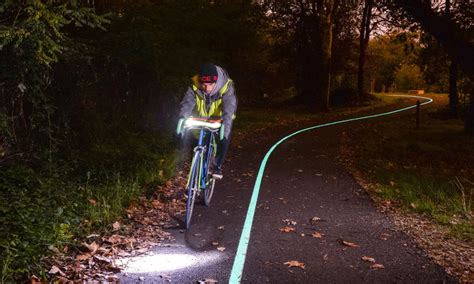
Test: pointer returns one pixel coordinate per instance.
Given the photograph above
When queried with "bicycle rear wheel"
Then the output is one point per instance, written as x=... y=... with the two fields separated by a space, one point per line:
x=192 y=187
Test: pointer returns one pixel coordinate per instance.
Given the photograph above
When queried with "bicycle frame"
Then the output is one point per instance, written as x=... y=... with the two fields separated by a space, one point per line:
x=199 y=178
x=202 y=148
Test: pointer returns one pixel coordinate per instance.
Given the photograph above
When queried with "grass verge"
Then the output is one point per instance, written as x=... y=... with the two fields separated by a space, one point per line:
x=427 y=170
x=47 y=208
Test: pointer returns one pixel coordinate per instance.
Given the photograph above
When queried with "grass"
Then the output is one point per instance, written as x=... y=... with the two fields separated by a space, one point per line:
x=427 y=170
x=261 y=117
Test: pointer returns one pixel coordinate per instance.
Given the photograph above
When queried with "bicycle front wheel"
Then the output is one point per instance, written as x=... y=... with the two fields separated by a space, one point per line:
x=209 y=190
x=192 y=187
x=210 y=182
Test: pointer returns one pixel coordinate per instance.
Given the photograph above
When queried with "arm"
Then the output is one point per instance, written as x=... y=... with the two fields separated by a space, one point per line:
x=187 y=104
x=229 y=107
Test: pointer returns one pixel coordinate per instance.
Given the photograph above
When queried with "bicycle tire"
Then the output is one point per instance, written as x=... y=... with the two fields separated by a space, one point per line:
x=193 y=186
x=210 y=182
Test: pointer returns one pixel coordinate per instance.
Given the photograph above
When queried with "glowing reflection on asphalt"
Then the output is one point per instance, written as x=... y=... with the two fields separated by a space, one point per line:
x=169 y=261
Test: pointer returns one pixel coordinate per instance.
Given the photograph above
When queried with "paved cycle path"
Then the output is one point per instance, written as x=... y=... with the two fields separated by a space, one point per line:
x=303 y=180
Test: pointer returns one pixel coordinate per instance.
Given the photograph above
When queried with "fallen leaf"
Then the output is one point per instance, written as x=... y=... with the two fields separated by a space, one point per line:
x=83 y=257
x=377 y=266
x=35 y=280
x=317 y=235
x=207 y=281
x=289 y=222
x=103 y=258
x=368 y=258
x=93 y=202
x=116 y=226
x=92 y=247
x=221 y=248
x=392 y=183
x=114 y=239
x=314 y=220
x=413 y=205
x=295 y=263
x=54 y=270
x=156 y=204
x=287 y=229
x=349 y=244
x=384 y=236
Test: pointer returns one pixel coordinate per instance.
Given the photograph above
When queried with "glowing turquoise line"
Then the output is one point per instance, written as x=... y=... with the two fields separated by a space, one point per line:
x=239 y=261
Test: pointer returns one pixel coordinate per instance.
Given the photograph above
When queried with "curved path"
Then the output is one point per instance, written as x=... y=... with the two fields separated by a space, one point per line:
x=302 y=187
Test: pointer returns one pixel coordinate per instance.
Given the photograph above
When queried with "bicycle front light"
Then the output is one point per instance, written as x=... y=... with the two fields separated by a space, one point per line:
x=200 y=123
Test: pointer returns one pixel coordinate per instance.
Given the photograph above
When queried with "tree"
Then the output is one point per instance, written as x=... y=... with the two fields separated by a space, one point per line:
x=364 y=35
x=454 y=33
x=450 y=34
x=326 y=9
x=310 y=25
x=32 y=39
x=408 y=76
x=453 y=74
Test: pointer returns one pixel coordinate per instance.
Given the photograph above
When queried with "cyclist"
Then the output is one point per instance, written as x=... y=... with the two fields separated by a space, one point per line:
x=212 y=95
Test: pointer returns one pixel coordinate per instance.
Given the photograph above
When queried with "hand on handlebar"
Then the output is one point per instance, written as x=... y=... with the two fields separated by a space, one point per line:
x=179 y=127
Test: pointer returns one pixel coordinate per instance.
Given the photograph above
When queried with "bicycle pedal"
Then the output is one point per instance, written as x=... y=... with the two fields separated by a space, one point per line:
x=217 y=176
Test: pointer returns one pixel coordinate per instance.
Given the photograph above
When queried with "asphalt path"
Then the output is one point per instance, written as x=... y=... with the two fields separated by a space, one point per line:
x=305 y=188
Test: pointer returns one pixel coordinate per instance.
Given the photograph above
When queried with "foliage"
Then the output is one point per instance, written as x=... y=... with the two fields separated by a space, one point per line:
x=32 y=38
x=43 y=209
x=408 y=76
x=388 y=53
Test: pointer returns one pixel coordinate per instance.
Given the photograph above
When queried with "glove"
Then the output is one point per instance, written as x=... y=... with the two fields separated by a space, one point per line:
x=179 y=127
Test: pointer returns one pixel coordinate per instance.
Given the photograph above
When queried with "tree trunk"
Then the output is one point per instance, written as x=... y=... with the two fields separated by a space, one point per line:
x=453 y=73
x=322 y=78
x=469 y=120
x=363 y=43
x=453 y=88
x=303 y=61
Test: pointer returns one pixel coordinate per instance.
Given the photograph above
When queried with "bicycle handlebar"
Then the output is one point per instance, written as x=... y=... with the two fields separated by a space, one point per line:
x=196 y=123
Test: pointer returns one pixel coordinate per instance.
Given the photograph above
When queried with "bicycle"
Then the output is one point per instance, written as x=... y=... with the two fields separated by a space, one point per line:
x=200 y=178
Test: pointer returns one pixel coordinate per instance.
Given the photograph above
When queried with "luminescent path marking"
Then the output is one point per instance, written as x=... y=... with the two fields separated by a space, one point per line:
x=239 y=261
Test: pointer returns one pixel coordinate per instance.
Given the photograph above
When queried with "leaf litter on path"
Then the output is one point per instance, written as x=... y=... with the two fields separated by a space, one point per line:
x=287 y=229
x=289 y=222
x=350 y=244
x=377 y=266
x=368 y=259
x=317 y=235
x=314 y=220
x=295 y=263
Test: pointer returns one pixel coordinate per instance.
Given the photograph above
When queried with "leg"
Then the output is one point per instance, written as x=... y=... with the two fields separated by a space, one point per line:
x=222 y=148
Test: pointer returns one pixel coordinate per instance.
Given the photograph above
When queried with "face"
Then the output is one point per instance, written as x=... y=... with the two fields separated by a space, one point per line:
x=207 y=87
